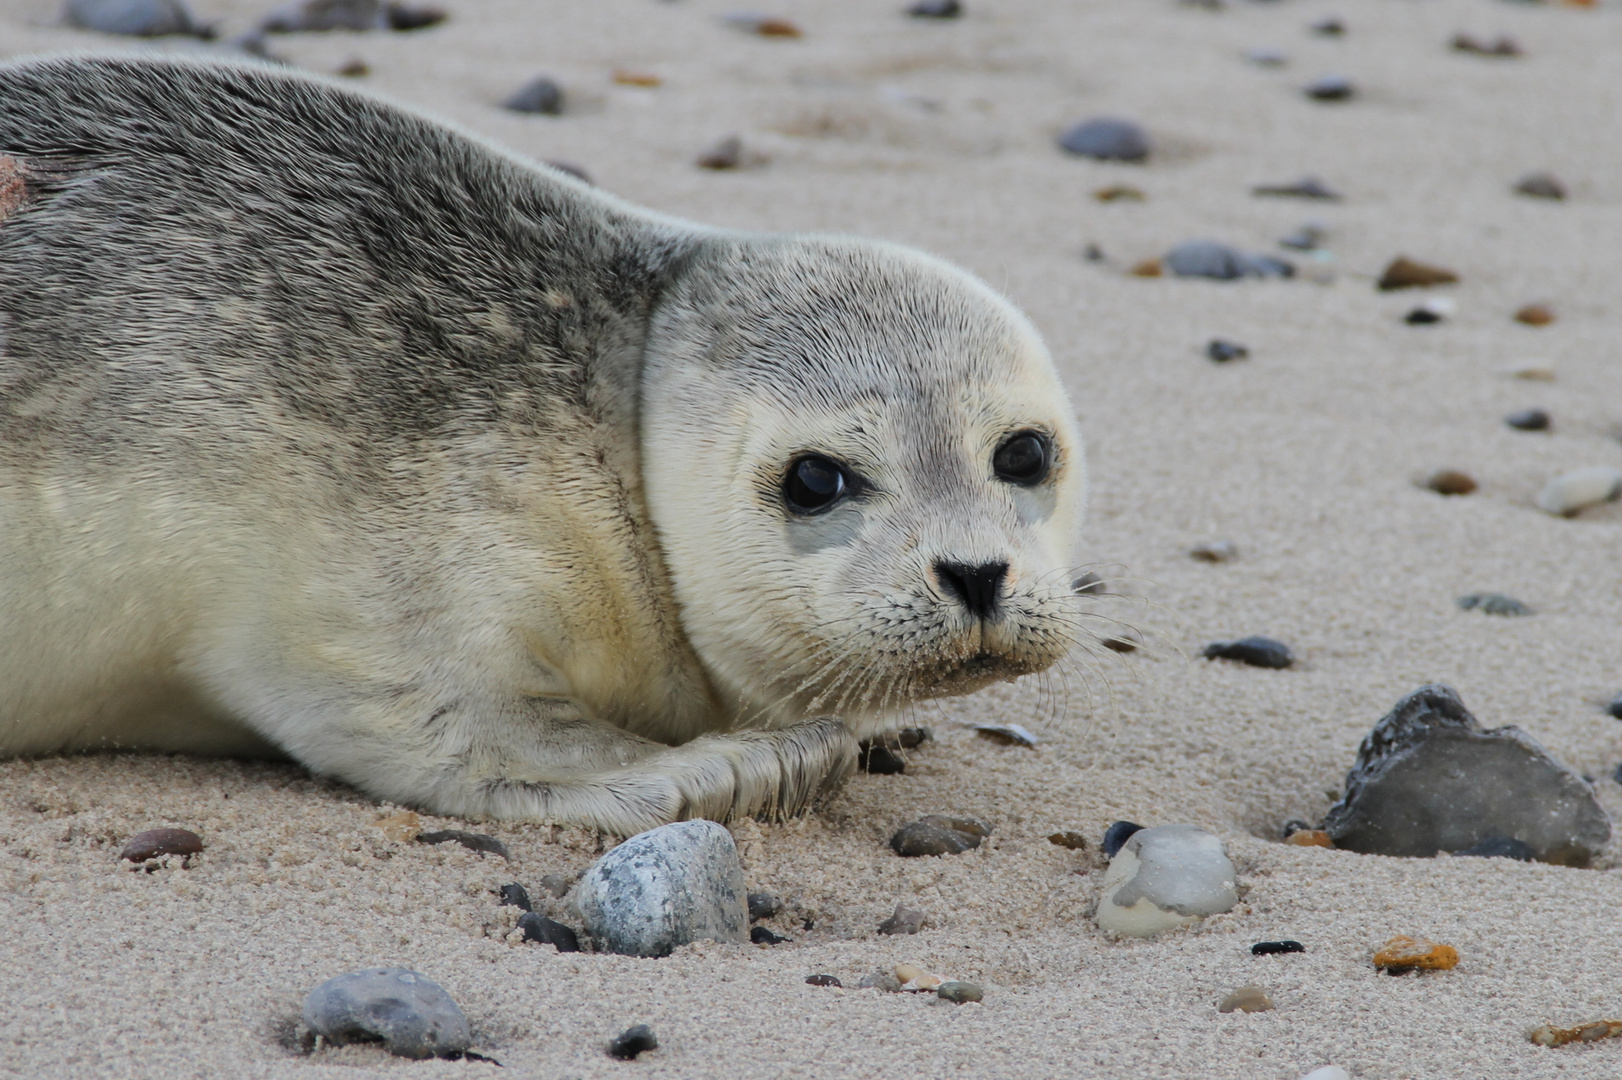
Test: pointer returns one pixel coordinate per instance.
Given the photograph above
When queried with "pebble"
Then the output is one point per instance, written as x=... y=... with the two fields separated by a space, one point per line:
x=1328 y=1072
x=1276 y=948
x=959 y=992
x=1069 y=838
x=544 y=931
x=404 y=17
x=1265 y=57
x=1540 y=185
x=401 y=827
x=1123 y=640
x=822 y=980
x=633 y=1041
x=1531 y=372
x=726 y=154
x=557 y=884
x=133 y=18
x=1257 y=651
x=1107 y=139
x=904 y=920
x=664 y=888
x=1116 y=835
x=1549 y=1035
x=473 y=841
x=1309 y=838
x=1535 y=315
x=1615 y=707
x=1330 y=88
x=1501 y=847
x=1145 y=268
x=538 y=96
x=1222 y=350
x=1428 y=778
x=763 y=905
x=1492 y=603
x=1409 y=954
x=1215 y=551
x=1528 y=420
x=1166 y=877
x=1330 y=27
x=874 y=757
x=1450 y=482
x=1246 y=999
x=761 y=935
x=155 y=843
x=1501 y=46
x=1308 y=187
x=1309 y=237
x=318 y=16
x=880 y=980
x=572 y=169
x=763 y=25
x=1209 y=259
x=1007 y=734
x=1573 y=492
x=914 y=978
x=632 y=77
x=1432 y=311
x=936 y=9
x=1119 y=193
x=354 y=67
x=1405 y=273
x=412 y=1015
x=938 y=834
x=515 y=895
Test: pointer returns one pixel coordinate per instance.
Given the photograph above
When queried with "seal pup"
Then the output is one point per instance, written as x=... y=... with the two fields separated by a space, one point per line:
x=332 y=431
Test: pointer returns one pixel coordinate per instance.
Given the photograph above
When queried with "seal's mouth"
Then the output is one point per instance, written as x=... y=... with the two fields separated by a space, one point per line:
x=970 y=673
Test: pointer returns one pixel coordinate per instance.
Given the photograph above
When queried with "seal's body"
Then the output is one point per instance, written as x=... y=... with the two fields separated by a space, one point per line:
x=328 y=430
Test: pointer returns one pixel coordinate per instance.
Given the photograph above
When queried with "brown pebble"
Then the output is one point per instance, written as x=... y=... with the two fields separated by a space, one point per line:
x=1503 y=46
x=1549 y=1035
x=822 y=980
x=1406 y=273
x=1069 y=839
x=1450 y=482
x=1535 y=315
x=636 y=78
x=1309 y=838
x=1541 y=185
x=1246 y=999
x=354 y=68
x=402 y=827
x=764 y=25
x=1405 y=953
x=1119 y=193
x=1215 y=551
x=1146 y=268
x=158 y=842
x=1123 y=640
x=726 y=154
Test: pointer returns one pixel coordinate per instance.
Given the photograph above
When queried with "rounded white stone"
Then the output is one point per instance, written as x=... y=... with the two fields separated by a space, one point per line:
x=1579 y=489
x=1164 y=878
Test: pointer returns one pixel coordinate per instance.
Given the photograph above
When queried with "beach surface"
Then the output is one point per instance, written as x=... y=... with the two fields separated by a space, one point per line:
x=1305 y=456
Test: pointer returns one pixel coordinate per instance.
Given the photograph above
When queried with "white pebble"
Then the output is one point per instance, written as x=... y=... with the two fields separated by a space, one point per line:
x=1579 y=489
x=1328 y=1072
x=1164 y=878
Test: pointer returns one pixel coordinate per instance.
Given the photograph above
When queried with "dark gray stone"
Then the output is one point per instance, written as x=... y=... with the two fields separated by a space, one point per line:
x=1528 y=420
x=633 y=1041
x=1222 y=350
x=1275 y=948
x=664 y=888
x=1501 y=847
x=904 y=920
x=540 y=95
x=1492 y=603
x=1257 y=651
x=874 y=757
x=544 y=931
x=517 y=896
x=1209 y=259
x=1330 y=88
x=1615 y=707
x=411 y=1015
x=133 y=18
x=761 y=935
x=823 y=980
x=1541 y=185
x=1116 y=835
x=1429 y=779
x=938 y=834
x=319 y=16
x=936 y=9
x=473 y=841
x=763 y=905
x=1107 y=139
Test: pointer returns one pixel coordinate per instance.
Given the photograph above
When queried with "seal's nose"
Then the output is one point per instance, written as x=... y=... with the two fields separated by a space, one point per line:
x=978 y=587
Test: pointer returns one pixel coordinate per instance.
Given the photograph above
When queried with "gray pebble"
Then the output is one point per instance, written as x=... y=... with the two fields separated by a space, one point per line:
x=1492 y=603
x=1222 y=350
x=633 y=1041
x=1541 y=185
x=763 y=905
x=904 y=920
x=959 y=992
x=1427 y=778
x=412 y=1016
x=1330 y=88
x=473 y=841
x=1209 y=259
x=322 y=15
x=880 y=980
x=1107 y=139
x=134 y=18
x=1308 y=187
x=557 y=884
x=938 y=834
x=1528 y=420
x=936 y=9
x=541 y=95
x=1257 y=651
x=1264 y=57
x=664 y=888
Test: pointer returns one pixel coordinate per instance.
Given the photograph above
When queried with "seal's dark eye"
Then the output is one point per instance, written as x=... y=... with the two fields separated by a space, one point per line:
x=1023 y=458
x=813 y=484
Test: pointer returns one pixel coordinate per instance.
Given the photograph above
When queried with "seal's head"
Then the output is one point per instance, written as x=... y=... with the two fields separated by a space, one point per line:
x=865 y=475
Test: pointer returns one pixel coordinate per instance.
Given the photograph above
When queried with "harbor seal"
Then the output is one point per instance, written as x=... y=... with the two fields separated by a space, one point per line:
x=331 y=431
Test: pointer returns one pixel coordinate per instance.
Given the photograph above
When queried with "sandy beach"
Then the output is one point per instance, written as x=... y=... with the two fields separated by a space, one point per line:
x=1305 y=456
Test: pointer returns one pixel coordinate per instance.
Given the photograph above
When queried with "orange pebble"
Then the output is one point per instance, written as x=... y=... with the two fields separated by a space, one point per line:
x=1535 y=315
x=1309 y=838
x=636 y=78
x=1402 y=953
x=1146 y=268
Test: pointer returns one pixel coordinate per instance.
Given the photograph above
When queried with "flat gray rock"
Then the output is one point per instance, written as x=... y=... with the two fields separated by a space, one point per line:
x=1428 y=778
x=1209 y=259
x=406 y=1011
x=664 y=888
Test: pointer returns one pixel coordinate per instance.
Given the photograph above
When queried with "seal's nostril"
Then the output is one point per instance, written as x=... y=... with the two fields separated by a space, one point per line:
x=978 y=587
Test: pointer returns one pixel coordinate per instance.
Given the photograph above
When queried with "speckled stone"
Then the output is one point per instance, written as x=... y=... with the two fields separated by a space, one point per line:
x=939 y=834
x=412 y=1015
x=763 y=905
x=664 y=888
x=822 y=980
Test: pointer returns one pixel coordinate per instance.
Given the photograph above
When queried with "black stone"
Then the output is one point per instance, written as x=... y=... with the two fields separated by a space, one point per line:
x=473 y=841
x=760 y=935
x=516 y=895
x=1107 y=139
x=1221 y=350
x=544 y=931
x=1422 y=316
x=936 y=9
x=633 y=1041
x=1255 y=650
x=1116 y=836
x=939 y=834
x=540 y=95
x=1528 y=420
x=1272 y=948
x=405 y=17
x=876 y=758
x=1501 y=847
x=763 y=905
x=822 y=980
x=1615 y=707
x=1330 y=88
x=1428 y=778
x=1209 y=259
